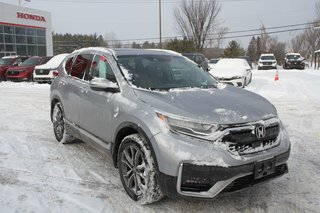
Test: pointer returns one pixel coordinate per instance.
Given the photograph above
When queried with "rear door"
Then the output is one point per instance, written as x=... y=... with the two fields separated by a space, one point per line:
x=70 y=85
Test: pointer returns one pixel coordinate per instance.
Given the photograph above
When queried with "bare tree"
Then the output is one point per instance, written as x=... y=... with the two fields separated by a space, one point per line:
x=265 y=39
x=197 y=19
x=277 y=48
x=298 y=44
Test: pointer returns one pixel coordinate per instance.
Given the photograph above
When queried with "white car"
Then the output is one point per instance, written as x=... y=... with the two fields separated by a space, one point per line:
x=212 y=62
x=233 y=71
x=267 y=61
x=47 y=72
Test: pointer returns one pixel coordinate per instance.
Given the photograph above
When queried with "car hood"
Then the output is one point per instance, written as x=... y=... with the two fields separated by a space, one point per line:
x=227 y=72
x=46 y=66
x=267 y=61
x=4 y=67
x=21 y=68
x=298 y=60
x=228 y=105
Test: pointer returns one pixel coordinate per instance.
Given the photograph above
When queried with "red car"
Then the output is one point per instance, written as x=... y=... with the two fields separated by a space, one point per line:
x=9 y=61
x=25 y=70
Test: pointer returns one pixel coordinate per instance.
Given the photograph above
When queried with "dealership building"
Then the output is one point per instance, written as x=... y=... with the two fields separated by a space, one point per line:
x=25 y=31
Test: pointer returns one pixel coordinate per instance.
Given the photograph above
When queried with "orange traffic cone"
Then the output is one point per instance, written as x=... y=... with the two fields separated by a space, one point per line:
x=276 y=78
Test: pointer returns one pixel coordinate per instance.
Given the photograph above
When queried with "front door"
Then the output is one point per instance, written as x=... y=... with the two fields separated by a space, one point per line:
x=97 y=107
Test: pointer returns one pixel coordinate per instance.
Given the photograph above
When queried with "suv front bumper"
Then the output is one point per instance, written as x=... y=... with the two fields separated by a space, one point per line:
x=208 y=181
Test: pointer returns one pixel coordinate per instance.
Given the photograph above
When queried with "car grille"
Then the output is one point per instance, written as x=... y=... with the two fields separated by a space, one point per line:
x=13 y=72
x=42 y=72
x=267 y=63
x=244 y=141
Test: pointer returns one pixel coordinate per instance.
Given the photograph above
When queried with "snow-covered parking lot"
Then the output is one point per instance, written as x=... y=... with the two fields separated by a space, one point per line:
x=38 y=174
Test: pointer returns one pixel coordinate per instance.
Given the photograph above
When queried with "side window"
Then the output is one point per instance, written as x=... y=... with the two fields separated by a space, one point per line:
x=68 y=65
x=81 y=65
x=100 y=68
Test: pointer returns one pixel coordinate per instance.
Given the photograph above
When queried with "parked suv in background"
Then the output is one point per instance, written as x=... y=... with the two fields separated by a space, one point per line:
x=9 y=61
x=47 y=72
x=293 y=61
x=267 y=61
x=170 y=127
x=25 y=70
x=199 y=59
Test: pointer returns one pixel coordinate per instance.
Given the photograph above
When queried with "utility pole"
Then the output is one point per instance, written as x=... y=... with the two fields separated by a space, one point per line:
x=160 y=33
x=19 y=2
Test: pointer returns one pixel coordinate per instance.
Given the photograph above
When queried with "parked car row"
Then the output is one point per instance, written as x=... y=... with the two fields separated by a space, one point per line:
x=35 y=68
x=290 y=61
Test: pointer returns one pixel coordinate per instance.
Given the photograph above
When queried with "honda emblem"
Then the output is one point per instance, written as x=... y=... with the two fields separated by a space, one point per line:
x=260 y=131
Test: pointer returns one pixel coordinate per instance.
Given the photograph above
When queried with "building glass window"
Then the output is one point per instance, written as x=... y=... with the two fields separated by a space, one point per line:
x=20 y=31
x=42 y=51
x=32 y=50
x=8 y=29
x=22 y=49
x=41 y=32
x=8 y=39
x=31 y=40
x=41 y=40
x=31 y=32
x=22 y=41
x=9 y=48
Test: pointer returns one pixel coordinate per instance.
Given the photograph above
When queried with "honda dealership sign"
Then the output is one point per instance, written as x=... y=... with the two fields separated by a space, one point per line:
x=30 y=16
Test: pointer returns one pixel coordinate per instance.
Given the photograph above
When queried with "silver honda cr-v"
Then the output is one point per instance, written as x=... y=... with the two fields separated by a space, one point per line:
x=170 y=128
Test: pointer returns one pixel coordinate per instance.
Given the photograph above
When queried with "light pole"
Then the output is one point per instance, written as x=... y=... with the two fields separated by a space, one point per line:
x=160 y=36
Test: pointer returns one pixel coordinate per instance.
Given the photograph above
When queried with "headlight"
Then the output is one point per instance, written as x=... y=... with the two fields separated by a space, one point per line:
x=184 y=126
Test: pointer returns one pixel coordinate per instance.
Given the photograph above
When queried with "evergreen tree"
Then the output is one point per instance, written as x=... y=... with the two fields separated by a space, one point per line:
x=233 y=50
x=259 y=48
x=252 y=49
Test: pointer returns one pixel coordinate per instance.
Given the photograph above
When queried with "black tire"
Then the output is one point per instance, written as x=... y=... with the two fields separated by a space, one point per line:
x=138 y=171
x=59 y=127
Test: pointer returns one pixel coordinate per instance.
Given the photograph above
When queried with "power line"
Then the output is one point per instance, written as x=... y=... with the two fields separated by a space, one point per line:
x=227 y=37
x=128 y=2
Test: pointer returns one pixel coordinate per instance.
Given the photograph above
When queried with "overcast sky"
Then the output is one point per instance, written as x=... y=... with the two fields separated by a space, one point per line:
x=138 y=19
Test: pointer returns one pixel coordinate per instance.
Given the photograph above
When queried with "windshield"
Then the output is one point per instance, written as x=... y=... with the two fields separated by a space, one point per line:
x=269 y=57
x=31 y=62
x=6 y=61
x=213 y=61
x=293 y=56
x=162 y=72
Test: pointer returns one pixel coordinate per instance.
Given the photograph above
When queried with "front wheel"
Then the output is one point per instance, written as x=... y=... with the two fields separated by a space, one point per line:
x=137 y=170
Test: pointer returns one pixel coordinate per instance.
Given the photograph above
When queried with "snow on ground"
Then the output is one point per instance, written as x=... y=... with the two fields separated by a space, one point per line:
x=38 y=174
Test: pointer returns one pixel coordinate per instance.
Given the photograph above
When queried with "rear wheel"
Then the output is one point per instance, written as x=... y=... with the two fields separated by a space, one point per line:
x=137 y=170
x=59 y=129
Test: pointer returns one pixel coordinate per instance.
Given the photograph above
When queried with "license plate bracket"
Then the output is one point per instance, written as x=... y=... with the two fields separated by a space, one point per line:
x=264 y=168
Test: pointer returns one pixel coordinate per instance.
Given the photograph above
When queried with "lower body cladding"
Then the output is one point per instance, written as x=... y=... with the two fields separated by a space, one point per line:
x=207 y=180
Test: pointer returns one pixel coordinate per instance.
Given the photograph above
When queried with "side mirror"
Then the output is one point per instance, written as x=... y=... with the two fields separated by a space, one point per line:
x=102 y=84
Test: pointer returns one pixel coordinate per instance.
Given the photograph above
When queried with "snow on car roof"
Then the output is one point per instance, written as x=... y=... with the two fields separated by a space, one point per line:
x=53 y=62
x=227 y=67
x=11 y=56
